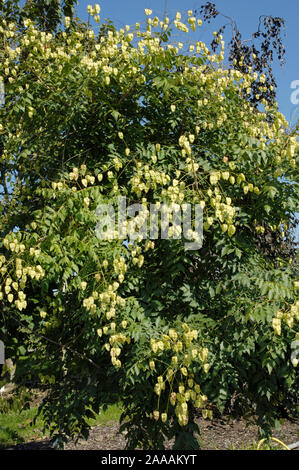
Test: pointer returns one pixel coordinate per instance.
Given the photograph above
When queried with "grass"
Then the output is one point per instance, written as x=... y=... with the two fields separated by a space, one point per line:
x=16 y=427
x=112 y=414
x=254 y=445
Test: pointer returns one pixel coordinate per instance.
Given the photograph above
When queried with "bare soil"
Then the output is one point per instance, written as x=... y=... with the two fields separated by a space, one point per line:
x=217 y=434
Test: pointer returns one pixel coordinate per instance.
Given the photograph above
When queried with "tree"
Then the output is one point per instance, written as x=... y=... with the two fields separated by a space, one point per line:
x=255 y=54
x=89 y=119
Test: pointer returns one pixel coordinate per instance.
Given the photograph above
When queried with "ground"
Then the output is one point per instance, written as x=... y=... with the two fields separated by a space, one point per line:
x=220 y=433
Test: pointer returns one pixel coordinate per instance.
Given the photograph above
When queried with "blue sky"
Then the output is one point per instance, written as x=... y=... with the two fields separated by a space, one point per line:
x=245 y=14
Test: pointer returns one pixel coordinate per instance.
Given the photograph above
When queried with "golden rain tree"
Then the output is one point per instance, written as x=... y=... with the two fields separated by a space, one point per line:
x=91 y=115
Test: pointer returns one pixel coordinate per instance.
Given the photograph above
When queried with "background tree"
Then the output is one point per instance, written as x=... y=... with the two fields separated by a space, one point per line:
x=256 y=54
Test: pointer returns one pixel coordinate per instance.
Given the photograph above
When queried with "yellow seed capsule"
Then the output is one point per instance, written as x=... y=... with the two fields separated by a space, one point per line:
x=224 y=227
x=194 y=353
x=190 y=383
x=172 y=334
x=173 y=398
x=231 y=230
x=276 y=323
x=184 y=371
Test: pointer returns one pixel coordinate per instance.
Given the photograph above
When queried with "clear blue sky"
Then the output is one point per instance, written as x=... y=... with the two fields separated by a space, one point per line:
x=246 y=15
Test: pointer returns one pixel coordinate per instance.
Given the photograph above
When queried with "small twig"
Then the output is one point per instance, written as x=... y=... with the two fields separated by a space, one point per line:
x=62 y=346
